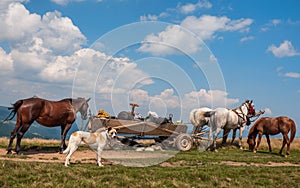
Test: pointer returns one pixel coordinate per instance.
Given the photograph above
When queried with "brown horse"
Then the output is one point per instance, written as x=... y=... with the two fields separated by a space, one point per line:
x=47 y=113
x=272 y=126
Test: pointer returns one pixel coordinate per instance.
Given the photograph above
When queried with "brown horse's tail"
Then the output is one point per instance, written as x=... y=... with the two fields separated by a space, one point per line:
x=14 y=110
x=293 y=131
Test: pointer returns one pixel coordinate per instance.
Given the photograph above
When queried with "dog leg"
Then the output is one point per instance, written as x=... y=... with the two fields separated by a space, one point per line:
x=72 y=150
x=99 y=157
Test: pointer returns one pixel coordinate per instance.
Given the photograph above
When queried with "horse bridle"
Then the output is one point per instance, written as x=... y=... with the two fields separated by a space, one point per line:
x=241 y=115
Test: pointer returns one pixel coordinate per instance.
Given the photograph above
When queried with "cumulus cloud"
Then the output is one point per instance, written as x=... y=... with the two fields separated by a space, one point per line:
x=14 y=28
x=60 y=34
x=203 y=97
x=194 y=99
x=36 y=40
x=6 y=63
x=285 y=49
x=190 y=8
x=206 y=26
x=171 y=40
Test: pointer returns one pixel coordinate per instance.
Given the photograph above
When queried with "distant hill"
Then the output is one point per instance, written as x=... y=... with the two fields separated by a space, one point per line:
x=35 y=130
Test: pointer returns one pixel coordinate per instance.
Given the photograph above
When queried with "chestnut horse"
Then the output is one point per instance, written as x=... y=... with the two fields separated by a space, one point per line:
x=272 y=126
x=47 y=113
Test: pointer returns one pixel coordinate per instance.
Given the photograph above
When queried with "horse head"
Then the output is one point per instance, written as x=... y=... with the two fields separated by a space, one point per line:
x=250 y=108
x=251 y=142
x=83 y=107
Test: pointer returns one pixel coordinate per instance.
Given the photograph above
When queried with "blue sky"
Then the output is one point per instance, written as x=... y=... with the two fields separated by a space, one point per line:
x=168 y=56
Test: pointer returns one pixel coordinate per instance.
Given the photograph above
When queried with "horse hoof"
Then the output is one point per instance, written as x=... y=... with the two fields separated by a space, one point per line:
x=8 y=153
x=254 y=151
x=286 y=156
x=216 y=151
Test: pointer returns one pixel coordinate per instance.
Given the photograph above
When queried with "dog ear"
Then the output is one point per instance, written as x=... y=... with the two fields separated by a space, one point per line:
x=108 y=129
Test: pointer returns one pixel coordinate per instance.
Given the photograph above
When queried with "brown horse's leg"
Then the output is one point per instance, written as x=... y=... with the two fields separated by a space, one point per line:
x=20 y=135
x=286 y=140
x=269 y=143
x=258 y=141
x=64 y=131
x=283 y=144
x=12 y=137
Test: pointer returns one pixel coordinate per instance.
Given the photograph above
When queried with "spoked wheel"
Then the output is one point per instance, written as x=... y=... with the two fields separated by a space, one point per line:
x=184 y=142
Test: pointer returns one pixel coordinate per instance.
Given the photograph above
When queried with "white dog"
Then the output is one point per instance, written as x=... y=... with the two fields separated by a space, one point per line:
x=96 y=140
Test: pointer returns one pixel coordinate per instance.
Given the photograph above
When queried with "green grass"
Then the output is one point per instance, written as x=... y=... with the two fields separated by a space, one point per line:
x=185 y=169
x=15 y=174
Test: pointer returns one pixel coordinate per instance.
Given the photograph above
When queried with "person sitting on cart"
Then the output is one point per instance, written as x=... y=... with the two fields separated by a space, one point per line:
x=103 y=114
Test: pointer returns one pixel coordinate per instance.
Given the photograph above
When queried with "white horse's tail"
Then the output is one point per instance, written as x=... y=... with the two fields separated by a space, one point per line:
x=193 y=117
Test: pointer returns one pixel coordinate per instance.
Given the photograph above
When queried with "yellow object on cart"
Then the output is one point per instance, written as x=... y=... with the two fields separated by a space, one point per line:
x=103 y=114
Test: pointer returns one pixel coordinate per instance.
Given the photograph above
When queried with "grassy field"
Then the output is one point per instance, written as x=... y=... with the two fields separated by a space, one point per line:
x=230 y=167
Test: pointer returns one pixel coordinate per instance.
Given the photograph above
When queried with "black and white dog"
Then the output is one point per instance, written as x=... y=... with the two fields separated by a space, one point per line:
x=96 y=140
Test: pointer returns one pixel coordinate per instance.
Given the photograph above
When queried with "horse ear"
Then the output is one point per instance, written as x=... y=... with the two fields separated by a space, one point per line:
x=88 y=99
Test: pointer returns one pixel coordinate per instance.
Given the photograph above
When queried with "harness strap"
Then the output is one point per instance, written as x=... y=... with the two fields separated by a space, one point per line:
x=239 y=115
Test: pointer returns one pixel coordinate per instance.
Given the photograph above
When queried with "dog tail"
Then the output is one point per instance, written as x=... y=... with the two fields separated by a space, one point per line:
x=67 y=150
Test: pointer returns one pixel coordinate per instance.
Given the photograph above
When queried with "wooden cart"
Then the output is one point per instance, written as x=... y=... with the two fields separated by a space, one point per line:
x=169 y=134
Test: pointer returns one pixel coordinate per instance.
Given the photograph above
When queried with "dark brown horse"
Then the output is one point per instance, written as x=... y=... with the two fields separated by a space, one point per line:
x=47 y=113
x=272 y=126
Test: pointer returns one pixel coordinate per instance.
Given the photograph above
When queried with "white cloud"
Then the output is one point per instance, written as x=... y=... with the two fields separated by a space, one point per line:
x=60 y=34
x=168 y=102
x=292 y=75
x=268 y=111
x=244 y=39
x=65 y=2
x=171 y=40
x=212 y=58
x=275 y=22
x=206 y=26
x=17 y=22
x=36 y=40
x=286 y=49
x=190 y=8
x=167 y=97
x=148 y=17
x=6 y=63
x=196 y=99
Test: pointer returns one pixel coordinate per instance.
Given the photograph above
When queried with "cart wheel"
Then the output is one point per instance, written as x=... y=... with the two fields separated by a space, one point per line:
x=184 y=142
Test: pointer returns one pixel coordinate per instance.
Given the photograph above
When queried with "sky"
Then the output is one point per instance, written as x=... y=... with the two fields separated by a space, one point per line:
x=167 y=56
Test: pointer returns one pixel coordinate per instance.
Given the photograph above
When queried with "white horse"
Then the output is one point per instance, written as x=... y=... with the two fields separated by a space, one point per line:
x=198 y=119
x=227 y=119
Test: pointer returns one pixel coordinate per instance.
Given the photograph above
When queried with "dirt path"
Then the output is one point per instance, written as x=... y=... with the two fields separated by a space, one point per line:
x=124 y=157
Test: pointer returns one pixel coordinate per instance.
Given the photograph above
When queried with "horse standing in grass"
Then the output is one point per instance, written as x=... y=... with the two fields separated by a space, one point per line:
x=47 y=113
x=272 y=126
x=223 y=118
